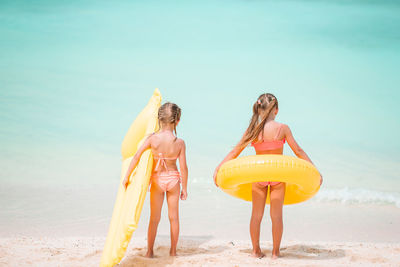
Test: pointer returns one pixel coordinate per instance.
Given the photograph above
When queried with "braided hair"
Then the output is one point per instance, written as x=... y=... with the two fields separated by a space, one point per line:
x=169 y=113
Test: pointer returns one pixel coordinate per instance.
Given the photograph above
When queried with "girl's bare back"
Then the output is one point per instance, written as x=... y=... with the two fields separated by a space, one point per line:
x=273 y=131
x=165 y=145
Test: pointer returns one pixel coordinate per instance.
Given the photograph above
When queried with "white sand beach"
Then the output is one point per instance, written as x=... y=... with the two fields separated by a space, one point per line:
x=195 y=251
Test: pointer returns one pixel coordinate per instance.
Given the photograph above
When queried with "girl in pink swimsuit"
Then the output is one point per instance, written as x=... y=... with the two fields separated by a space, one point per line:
x=165 y=178
x=267 y=136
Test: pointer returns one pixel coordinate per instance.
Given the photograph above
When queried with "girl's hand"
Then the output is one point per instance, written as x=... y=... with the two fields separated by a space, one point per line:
x=183 y=194
x=215 y=176
x=321 y=180
x=125 y=183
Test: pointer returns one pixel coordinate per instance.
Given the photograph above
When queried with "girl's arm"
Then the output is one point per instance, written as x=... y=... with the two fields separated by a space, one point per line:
x=234 y=153
x=184 y=170
x=293 y=144
x=146 y=145
x=295 y=147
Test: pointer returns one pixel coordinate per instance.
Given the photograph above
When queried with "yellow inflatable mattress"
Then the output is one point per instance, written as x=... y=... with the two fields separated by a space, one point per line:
x=129 y=203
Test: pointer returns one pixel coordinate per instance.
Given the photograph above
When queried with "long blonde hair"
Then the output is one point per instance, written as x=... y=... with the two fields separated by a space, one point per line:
x=265 y=104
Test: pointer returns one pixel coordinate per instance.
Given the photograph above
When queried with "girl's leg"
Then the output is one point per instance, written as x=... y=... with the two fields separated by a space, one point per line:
x=259 y=195
x=156 y=201
x=277 y=197
x=173 y=215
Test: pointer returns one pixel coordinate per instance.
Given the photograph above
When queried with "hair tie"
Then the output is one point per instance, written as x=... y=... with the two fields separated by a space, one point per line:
x=259 y=102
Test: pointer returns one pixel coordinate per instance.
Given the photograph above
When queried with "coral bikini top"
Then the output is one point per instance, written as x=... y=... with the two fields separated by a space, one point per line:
x=161 y=162
x=269 y=145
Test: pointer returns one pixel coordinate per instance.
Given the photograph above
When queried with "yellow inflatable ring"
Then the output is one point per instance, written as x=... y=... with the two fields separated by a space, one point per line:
x=301 y=177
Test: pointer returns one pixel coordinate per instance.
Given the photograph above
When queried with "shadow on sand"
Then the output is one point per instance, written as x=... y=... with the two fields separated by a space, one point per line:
x=305 y=252
x=188 y=245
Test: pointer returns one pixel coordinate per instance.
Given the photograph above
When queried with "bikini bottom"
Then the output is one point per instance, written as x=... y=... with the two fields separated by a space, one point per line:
x=166 y=180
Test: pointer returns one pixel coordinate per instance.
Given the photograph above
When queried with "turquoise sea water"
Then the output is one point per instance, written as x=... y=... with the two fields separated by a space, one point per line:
x=74 y=74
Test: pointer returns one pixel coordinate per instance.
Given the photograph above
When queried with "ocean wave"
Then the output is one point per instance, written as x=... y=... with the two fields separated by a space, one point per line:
x=205 y=181
x=344 y=195
x=358 y=196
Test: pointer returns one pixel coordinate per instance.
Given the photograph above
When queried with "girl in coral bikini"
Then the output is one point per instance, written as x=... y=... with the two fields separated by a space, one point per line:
x=166 y=178
x=267 y=136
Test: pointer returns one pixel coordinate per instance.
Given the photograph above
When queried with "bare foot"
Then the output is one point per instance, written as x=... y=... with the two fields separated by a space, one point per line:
x=257 y=254
x=149 y=254
x=275 y=255
x=172 y=252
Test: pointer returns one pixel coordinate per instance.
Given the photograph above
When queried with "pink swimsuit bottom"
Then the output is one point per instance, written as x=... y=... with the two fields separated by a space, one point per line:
x=166 y=180
x=267 y=183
